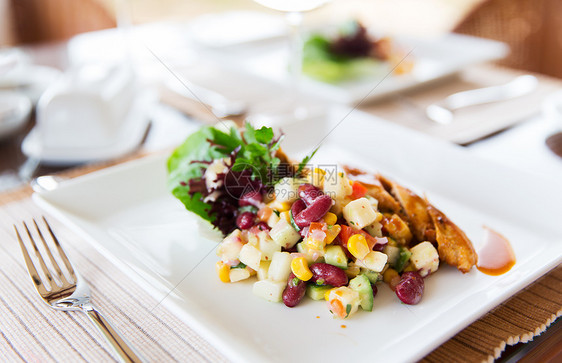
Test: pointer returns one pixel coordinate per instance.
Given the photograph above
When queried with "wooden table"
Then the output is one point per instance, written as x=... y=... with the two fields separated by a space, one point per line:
x=547 y=347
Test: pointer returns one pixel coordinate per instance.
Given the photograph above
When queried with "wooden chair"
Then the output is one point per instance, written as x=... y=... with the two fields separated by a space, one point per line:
x=37 y=21
x=532 y=28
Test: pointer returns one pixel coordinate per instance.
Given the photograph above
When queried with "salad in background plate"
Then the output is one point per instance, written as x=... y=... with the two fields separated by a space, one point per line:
x=330 y=234
x=351 y=54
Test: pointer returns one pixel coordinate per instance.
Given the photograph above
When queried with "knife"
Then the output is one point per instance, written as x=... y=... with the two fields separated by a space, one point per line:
x=442 y=112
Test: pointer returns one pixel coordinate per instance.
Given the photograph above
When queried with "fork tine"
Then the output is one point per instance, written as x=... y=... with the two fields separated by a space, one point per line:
x=54 y=263
x=62 y=254
x=44 y=267
x=31 y=267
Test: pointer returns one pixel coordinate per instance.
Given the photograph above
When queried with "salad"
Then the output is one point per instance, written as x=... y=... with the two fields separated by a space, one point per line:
x=351 y=54
x=297 y=230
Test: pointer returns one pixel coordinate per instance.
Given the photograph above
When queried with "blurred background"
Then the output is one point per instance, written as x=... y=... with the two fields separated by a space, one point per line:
x=530 y=27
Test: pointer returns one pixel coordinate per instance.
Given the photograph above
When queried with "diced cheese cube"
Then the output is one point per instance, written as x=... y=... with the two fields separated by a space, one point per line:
x=250 y=256
x=425 y=258
x=286 y=190
x=284 y=234
x=262 y=271
x=315 y=177
x=280 y=266
x=267 y=246
x=252 y=238
x=337 y=185
x=286 y=215
x=347 y=298
x=229 y=249
x=273 y=219
x=269 y=290
x=359 y=213
x=238 y=274
x=374 y=261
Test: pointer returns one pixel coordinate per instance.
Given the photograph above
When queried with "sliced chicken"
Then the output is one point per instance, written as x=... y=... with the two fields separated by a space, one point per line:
x=452 y=243
x=414 y=208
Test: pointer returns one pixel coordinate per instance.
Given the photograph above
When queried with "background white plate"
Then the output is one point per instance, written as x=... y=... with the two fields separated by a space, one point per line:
x=14 y=112
x=434 y=58
x=128 y=214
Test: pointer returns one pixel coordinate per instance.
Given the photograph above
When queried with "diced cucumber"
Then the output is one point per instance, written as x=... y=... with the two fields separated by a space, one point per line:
x=316 y=292
x=374 y=277
x=362 y=285
x=336 y=256
x=280 y=267
x=393 y=254
x=402 y=259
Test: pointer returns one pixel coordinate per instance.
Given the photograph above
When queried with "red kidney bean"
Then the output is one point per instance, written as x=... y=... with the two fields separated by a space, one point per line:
x=245 y=220
x=375 y=290
x=326 y=274
x=309 y=193
x=294 y=292
x=262 y=226
x=313 y=212
x=410 y=288
x=297 y=207
x=251 y=198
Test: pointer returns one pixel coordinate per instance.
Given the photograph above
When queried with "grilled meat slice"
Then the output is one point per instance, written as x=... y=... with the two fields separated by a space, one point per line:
x=452 y=243
x=414 y=208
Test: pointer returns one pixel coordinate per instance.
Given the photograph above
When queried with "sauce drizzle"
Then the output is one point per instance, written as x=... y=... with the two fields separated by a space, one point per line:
x=496 y=255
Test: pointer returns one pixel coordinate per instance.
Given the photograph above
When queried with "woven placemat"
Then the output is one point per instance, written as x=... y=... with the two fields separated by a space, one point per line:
x=29 y=330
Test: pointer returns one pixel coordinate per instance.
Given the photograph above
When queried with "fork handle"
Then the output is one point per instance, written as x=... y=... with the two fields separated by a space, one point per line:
x=126 y=352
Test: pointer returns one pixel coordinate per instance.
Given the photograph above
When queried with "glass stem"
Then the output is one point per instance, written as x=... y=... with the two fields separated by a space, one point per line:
x=294 y=20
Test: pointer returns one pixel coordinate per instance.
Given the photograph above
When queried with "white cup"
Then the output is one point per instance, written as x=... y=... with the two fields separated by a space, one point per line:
x=86 y=108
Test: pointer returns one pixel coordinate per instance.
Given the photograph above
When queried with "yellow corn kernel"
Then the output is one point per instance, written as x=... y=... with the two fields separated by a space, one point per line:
x=299 y=266
x=409 y=268
x=279 y=206
x=319 y=171
x=389 y=274
x=327 y=294
x=357 y=246
x=223 y=271
x=330 y=219
x=285 y=215
x=332 y=232
x=379 y=217
x=317 y=177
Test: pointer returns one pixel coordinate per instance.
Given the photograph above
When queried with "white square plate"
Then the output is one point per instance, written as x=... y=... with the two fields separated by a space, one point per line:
x=434 y=58
x=129 y=215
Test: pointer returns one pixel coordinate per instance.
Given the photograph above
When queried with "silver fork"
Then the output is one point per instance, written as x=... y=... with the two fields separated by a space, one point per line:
x=69 y=294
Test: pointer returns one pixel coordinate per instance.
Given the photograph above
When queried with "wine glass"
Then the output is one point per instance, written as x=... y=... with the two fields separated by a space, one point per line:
x=293 y=10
